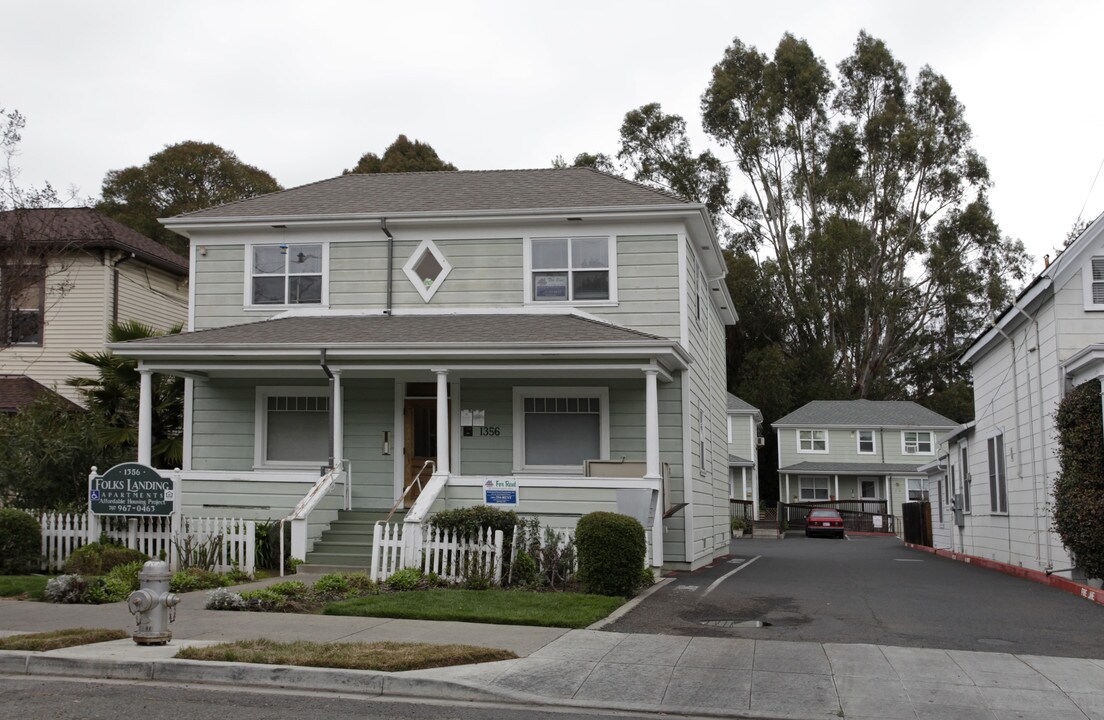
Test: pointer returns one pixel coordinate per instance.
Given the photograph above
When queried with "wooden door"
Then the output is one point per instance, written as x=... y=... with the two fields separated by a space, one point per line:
x=420 y=442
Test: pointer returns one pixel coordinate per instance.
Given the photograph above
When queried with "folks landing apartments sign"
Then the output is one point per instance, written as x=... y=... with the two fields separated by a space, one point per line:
x=131 y=489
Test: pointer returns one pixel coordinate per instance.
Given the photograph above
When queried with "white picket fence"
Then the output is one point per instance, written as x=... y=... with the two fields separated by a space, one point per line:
x=452 y=557
x=62 y=533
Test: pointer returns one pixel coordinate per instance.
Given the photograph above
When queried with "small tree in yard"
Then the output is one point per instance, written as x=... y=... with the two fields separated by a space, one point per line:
x=1079 y=487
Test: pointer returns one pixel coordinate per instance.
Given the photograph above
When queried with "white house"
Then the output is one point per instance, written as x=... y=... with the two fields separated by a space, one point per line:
x=1050 y=339
x=430 y=333
x=744 y=439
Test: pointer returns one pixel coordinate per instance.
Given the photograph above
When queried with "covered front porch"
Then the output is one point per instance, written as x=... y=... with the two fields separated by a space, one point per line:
x=578 y=426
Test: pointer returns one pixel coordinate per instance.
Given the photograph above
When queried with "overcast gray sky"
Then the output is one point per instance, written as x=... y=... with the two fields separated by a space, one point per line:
x=302 y=89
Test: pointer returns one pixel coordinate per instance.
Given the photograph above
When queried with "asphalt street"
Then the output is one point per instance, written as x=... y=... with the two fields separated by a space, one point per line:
x=868 y=590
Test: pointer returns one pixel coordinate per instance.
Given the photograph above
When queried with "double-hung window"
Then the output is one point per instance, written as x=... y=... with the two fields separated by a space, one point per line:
x=292 y=426
x=812 y=488
x=812 y=441
x=966 y=479
x=866 y=442
x=22 y=295
x=917 y=489
x=1094 y=284
x=287 y=274
x=998 y=490
x=575 y=269
x=558 y=429
x=916 y=442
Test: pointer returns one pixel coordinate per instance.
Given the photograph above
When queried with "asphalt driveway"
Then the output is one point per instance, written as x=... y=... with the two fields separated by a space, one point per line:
x=868 y=590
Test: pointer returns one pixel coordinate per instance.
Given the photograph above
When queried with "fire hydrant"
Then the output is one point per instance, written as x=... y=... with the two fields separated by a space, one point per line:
x=153 y=606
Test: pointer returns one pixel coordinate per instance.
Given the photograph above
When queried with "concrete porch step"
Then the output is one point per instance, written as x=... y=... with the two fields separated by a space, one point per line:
x=309 y=568
x=361 y=560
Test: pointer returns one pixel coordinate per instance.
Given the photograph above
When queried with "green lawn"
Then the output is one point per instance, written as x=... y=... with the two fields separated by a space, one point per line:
x=504 y=607
x=31 y=585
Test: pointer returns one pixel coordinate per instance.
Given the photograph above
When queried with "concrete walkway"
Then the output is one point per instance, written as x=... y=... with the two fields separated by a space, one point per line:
x=733 y=677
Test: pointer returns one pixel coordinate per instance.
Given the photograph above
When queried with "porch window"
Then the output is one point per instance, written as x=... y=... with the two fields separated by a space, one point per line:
x=569 y=269
x=812 y=441
x=286 y=274
x=559 y=429
x=868 y=488
x=22 y=294
x=293 y=426
x=866 y=442
x=917 y=489
x=812 y=488
x=998 y=490
x=916 y=442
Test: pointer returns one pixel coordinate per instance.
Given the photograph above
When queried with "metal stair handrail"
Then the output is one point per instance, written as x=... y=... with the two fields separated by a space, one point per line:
x=416 y=481
x=315 y=495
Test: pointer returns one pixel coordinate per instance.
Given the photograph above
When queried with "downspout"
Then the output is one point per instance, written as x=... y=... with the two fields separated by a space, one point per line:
x=390 y=261
x=115 y=287
x=329 y=374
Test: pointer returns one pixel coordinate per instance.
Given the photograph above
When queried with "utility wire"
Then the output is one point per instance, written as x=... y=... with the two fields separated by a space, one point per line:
x=1095 y=177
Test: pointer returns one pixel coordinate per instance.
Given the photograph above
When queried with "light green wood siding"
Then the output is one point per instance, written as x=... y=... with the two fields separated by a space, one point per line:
x=220 y=287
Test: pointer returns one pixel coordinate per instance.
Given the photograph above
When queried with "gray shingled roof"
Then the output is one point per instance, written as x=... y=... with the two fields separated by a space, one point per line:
x=434 y=330
x=846 y=468
x=737 y=461
x=735 y=404
x=442 y=192
x=864 y=413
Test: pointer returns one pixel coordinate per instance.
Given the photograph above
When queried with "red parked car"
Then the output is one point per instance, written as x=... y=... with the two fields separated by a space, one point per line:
x=824 y=521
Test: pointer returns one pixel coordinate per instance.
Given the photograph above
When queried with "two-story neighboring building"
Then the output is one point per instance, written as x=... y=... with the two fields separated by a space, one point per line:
x=1048 y=341
x=79 y=272
x=858 y=450
x=744 y=439
x=562 y=329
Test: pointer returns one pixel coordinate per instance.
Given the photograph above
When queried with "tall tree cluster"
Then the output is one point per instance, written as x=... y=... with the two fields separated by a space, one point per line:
x=863 y=255
x=403 y=155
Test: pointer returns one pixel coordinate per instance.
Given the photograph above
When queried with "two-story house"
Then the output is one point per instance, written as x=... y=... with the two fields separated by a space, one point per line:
x=744 y=439
x=537 y=327
x=77 y=272
x=858 y=450
x=1004 y=465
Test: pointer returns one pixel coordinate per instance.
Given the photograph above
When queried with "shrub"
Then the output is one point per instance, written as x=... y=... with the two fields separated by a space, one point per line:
x=552 y=552
x=611 y=553
x=361 y=584
x=195 y=578
x=405 y=579
x=237 y=576
x=524 y=571
x=20 y=542
x=470 y=520
x=99 y=558
x=122 y=581
x=292 y=589
x=224 y=599
x=647 y=578
x=66 y=589
x=334 y=586
x=1079 y=487
x=264 y=600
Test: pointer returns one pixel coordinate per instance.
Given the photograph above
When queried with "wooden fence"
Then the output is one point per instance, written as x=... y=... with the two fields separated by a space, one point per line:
x=396 y=546
x=858 y=515
x=229 y=541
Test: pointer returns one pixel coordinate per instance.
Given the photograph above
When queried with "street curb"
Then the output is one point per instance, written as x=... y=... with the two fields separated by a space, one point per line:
x=629 y=606
x=1093 y=595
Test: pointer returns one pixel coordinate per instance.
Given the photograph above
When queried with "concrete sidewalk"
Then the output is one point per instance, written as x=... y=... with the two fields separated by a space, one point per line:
x=732 y=677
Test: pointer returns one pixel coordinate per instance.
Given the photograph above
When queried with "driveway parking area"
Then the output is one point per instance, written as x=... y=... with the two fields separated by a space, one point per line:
x=868 y=590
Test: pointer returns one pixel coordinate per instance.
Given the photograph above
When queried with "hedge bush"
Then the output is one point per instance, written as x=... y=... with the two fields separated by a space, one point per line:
x=99 y=558
x=470 y=520
x=1079 y=487
x=611 y=550
x=121 y=581
x=20 y=542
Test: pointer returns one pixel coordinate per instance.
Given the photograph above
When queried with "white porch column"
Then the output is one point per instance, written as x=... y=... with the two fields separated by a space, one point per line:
x=889 y=510
x=837 y=487
x=786 y=499
x=442 y=422
x=145 y=417
x=651 y=458
x=338 y=420
x=743 y=483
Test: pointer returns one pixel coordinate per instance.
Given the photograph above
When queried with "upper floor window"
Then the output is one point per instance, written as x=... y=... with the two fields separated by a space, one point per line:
x=966 y=480
x=866 y=442
x=22 y=295
x=1093 y=280
x=287 y=274
x=916 y=442
x=998 y=489
x=812 y=441
x=575 y=269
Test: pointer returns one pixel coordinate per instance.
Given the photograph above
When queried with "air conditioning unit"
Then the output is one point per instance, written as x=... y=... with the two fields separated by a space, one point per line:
x=760 y=441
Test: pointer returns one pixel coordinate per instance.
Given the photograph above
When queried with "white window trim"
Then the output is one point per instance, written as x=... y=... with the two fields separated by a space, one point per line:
x=1001 y=472
x=858 y=442
x=859 y=480
x=827 y=487
x=522 y=392
x=1087 y=284
x=247 y=295
x=931 y=443
x=260 y=423
x=908 y=487
x=811 y=440
x=446 y=267
x=527 y=281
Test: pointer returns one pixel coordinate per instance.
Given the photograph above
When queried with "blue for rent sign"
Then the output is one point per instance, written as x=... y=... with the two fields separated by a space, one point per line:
x=502 y=492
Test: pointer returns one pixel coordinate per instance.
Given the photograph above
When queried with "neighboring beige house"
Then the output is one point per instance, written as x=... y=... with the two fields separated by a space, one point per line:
x=89 y=272
x=744 y=438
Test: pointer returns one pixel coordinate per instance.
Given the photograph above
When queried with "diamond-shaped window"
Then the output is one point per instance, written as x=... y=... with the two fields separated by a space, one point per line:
x=427 y=269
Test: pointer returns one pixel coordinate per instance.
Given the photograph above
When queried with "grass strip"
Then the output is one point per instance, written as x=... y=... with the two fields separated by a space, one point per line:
x=503 y=607
x=385 y=656
x=32 y=587
x=57 y=639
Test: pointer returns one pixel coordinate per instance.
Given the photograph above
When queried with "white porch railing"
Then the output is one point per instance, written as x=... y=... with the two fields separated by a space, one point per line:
x=396 y=546
x=64 y=533
x=299 y=517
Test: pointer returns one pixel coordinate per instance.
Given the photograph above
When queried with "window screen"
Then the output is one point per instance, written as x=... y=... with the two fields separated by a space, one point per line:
x=562 y=430
x=298 y=429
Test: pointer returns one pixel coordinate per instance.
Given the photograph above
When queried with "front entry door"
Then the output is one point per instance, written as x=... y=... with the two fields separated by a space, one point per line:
x=420 y=442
